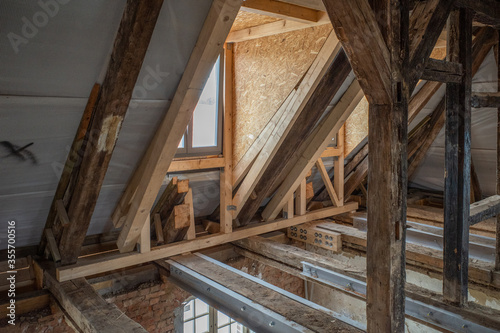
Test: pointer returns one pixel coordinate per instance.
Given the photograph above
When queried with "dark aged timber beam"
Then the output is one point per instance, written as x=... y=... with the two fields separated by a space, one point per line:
x=457 y=161
x=354 y=22
x=497 y=256
x=135 y=31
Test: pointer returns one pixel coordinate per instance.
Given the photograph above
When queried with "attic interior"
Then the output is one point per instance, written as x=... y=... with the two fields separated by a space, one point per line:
x=249 y=166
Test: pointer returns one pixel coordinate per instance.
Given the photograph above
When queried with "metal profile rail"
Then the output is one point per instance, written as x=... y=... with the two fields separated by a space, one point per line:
x=414 y=309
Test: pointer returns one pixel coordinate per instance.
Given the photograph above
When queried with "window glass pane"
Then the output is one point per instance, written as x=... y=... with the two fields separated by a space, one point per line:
x=201 y=308
x=205 y=113
x=222 y=319
x=181 y=144
x=202 y=324
x=235 y=327
x=189 y=327
x=225 y=329
x=189 y=310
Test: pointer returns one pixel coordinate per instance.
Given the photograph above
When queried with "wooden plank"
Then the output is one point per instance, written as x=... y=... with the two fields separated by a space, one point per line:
x=100 y=264
x=131 y=44
x=484 y=209
x=313 y=319
x=52 y=245
x=485 y=100
x=331 y=152
x=89 y=311
x=273 y=28
x=226 y=174
x=288 y=209
x=298 y=117
x=196 y=164
x=457 y=162
x=356 y=26
x=313 y=4
x=301 y=198
x=328 y=183
x=27 y=302
x=145 y=239
x=61 y=213
x=308 y=233
x=338 y=167
x=145 y=184
x=177 y=224
x=497 y=248
x=426 y=24
x=281 y=10
x=311 y=149
x=188 y=199
x=158 y=229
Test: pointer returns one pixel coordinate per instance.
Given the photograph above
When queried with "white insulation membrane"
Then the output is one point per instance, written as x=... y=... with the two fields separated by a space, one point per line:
x=52 y=52
x=430 y=174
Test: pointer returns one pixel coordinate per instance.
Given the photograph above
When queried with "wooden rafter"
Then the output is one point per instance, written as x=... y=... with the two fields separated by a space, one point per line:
x=281 y=10
x=143 y=187
x=356 y=27
x=135 y=31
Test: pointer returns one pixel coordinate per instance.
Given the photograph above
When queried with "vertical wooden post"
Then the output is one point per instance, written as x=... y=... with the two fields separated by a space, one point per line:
x=145 y=238
x=497 y=259
x=288 y=209
x=387 y=176
x=338 y=167
x=301 y=198
x=191 y=232
x=457 y=161
x=226 y=174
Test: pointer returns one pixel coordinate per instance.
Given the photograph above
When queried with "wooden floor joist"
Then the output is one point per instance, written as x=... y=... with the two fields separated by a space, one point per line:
x=89 y=311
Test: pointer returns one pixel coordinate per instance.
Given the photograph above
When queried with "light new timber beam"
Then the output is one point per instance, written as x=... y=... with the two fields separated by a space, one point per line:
x=88 y=310
x=108 y=262
x=312 y=148
x=131 y=43
x=145 y=184
x=281 y=10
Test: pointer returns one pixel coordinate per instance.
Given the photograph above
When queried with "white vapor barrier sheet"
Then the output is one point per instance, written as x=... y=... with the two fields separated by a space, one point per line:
x=46 y=76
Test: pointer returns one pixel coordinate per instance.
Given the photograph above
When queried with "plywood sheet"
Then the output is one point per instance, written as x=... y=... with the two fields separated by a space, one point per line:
x=356 y=127
x=266 y=70
x=245 y=20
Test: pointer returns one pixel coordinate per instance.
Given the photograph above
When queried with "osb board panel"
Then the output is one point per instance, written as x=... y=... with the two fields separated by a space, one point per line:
x=356 y=126
x=246 y=20
x=266 y=70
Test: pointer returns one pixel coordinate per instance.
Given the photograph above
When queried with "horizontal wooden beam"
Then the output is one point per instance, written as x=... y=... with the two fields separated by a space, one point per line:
x=273 y=28
x=442 y=71
x=484 y=209
x=485 y=100
x=281 y=10
x=196 y=164
x=108 y=262
x=89 y=311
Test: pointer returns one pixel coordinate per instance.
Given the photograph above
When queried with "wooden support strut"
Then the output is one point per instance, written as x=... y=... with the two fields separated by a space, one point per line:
x=457 y=162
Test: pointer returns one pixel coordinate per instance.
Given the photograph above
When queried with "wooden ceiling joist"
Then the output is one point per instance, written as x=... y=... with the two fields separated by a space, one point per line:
x=281 y=10
x=143 y=187
x=107 y=262
x=134 y=33
x=87 y=309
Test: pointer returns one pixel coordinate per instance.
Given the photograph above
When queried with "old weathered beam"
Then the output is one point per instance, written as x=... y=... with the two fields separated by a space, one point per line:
x=357 y=28
x=484 y=209
x=457 y=161
x=143 y=187
x=131 y=44
x=177 y=224
x=485 y=100
x=88 y=310
x=497 y=249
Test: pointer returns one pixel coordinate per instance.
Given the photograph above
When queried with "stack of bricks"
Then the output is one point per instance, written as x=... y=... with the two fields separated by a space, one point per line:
x=151 y=305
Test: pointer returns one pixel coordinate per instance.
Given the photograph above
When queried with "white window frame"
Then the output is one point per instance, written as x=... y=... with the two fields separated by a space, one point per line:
x=188 y=150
